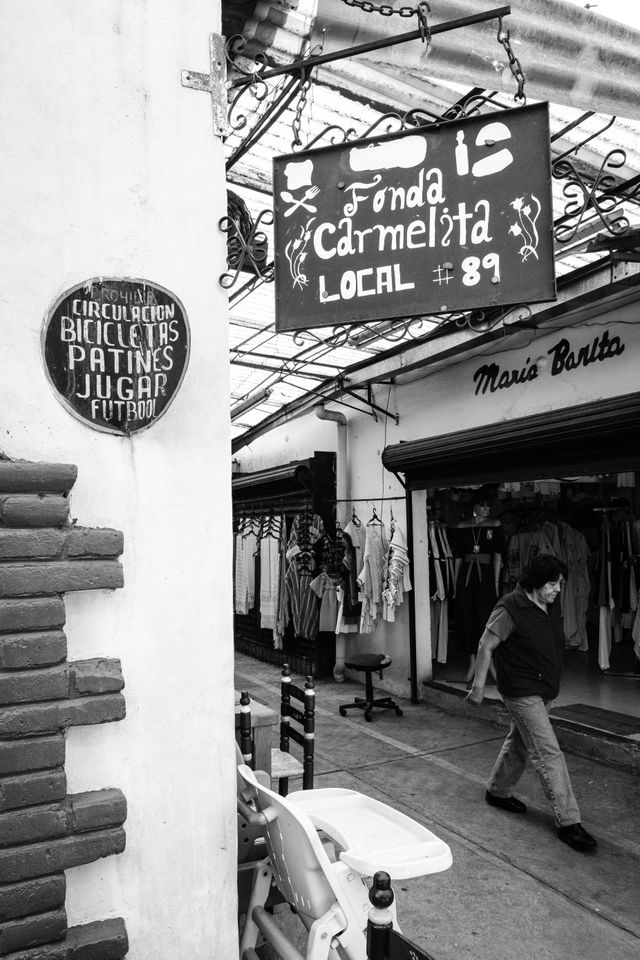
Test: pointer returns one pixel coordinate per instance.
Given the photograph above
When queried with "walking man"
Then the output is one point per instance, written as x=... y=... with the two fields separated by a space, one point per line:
x=525 y=636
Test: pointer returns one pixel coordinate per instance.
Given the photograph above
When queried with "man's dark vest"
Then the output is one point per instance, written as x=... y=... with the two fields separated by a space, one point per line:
x=529 y=662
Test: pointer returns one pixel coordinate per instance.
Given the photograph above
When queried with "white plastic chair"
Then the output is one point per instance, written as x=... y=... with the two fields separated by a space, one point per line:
x=331 y=897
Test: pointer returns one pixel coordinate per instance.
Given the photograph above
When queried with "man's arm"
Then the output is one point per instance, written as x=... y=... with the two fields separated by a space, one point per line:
x=488 y=643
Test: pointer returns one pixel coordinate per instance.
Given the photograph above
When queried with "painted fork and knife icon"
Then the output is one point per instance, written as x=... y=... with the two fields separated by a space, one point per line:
x=308 y=195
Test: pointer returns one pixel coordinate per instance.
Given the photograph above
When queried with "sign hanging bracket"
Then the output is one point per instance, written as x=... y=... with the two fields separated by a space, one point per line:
x=213 y=83
x=368 y=401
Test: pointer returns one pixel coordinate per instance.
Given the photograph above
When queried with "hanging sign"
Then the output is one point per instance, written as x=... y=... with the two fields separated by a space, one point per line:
x=450 y=217
x=116 y=352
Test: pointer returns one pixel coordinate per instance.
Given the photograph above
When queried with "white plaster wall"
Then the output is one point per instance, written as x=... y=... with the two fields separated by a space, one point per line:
x=440 y=402
x=110 y=167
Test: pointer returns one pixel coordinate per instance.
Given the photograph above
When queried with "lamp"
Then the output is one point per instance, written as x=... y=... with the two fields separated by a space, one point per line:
x=250 y=402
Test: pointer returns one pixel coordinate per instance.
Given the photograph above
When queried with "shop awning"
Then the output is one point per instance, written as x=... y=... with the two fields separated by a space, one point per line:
x=599 y=437
x=294 y=475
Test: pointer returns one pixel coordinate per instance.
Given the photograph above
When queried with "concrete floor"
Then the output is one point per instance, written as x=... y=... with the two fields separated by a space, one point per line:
x=514 y=890
x=582 y=682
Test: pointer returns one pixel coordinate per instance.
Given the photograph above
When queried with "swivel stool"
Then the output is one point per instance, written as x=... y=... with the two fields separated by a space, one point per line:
x=367 y=663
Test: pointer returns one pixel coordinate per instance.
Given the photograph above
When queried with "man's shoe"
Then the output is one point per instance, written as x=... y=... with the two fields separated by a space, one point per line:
x=512 y=804
x=577 y=837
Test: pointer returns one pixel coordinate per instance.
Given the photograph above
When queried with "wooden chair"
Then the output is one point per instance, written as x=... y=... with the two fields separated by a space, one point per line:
x=283 y=764
x=297 y=724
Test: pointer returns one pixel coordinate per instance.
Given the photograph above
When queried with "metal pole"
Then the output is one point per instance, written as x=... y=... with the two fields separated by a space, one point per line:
x=413 y=655
x=373 y=45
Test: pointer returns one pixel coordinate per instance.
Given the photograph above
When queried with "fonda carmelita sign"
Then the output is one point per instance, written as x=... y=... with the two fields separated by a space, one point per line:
x=453 y=216
x=116 y=351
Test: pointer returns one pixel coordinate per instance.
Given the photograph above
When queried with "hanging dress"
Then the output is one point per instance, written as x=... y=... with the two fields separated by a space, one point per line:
x=371 y=575
x=476 y=593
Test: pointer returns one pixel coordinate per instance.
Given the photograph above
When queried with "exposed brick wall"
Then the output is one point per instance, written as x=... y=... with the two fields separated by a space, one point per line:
x=44 y=830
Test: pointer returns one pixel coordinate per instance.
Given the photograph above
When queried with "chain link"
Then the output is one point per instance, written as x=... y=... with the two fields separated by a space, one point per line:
x=296 y=123
x=504 y=38
x=383 y=8
x=386 y=10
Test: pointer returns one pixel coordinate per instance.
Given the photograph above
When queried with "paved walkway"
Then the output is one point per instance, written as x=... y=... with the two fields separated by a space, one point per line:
x=514 y=892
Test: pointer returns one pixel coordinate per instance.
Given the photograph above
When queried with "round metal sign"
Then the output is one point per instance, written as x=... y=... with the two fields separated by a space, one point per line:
x=116 y=351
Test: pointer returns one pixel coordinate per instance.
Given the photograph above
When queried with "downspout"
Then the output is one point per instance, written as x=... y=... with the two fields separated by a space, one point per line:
x=342 y=495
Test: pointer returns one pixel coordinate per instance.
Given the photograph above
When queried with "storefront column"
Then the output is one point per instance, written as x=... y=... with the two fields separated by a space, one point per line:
x=421 y=589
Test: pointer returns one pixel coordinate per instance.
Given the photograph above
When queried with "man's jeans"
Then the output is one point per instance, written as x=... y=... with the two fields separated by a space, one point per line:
x=531 y=735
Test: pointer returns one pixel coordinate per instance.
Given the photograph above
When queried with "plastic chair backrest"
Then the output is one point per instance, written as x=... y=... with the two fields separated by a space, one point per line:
x=300 y=864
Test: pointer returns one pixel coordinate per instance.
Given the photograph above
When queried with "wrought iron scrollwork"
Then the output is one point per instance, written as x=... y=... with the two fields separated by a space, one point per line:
x=357 y=335
x=591 y=195
x=482 y=321
x=337 y=338
x=247 y=244
x=234 y=52
x=329 y=136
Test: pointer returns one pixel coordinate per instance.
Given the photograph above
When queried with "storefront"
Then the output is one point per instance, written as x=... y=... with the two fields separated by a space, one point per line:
x=547 y=417
x=551 y=444
x=284 y=520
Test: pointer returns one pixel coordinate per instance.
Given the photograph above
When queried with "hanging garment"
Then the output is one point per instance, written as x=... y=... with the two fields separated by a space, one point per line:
x=371 y=575
x=245 y=572
x=396 y=579
x=344 y=623
x=605 y=600
x=270 y=574
x=635 y=633
x=475 y=590
x=522 y=548
x=357 y=536
x=439 y=610
x=302 y=602
x=325 y=588
x=350 y=605
x=437 y=586
x=575 y=594
x=441 y=587
x=282 y=609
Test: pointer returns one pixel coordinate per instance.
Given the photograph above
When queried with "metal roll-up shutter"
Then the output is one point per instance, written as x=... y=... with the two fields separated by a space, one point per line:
x=598 y=437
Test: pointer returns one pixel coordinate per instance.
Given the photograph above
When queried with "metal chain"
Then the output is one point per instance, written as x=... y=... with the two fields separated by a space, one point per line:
x=296 y=123
x=386 y=10
x=305 y=87
x=383 y=8
x=504 y=38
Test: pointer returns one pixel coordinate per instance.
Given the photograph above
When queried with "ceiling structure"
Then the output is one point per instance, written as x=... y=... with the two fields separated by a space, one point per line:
x=584 y=65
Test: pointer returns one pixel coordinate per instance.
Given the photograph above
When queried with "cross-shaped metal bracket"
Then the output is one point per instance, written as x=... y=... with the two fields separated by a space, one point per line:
x=214 y=83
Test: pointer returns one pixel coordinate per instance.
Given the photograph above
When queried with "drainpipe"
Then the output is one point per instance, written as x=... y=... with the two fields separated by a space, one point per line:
x=342 y=494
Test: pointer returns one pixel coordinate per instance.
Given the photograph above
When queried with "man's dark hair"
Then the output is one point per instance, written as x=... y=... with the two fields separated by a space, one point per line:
x=543 y=569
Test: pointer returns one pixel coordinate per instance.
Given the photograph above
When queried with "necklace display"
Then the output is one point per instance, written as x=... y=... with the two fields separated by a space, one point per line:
x=476 y=537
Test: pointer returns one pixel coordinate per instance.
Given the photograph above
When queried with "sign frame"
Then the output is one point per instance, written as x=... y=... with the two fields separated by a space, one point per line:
x=159 y=363
x=427 y=220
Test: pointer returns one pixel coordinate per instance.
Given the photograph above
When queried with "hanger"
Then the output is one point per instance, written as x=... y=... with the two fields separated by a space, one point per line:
x=374 y=518
x=355 y=519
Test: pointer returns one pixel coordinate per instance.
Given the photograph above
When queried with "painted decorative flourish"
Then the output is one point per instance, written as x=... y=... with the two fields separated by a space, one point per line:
x=528 y=213
x=296 y=254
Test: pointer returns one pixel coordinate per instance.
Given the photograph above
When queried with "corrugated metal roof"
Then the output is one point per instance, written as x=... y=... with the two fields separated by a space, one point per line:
x=585 y=65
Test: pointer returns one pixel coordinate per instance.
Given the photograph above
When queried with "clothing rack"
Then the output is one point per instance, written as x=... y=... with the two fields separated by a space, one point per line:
x=276 y=503
x=364 y=499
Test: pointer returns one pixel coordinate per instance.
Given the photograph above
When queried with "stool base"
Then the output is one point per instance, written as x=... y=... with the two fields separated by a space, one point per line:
x=368 y=705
